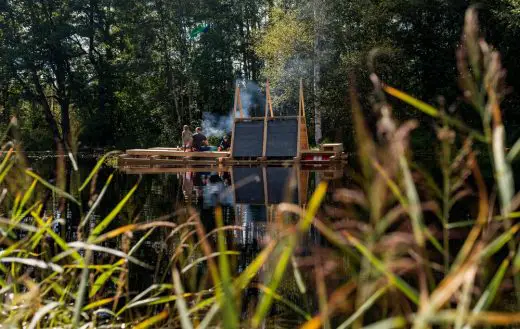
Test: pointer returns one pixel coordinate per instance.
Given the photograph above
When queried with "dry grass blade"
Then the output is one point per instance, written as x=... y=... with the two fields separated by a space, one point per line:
x=205 y=258
x=181 y=302
x=32 y=262
x=41 y=313
x=115 y=252
x=153 y=320
x=480 y=319
x=98 y=303
x=365 y=307
x=444 y=291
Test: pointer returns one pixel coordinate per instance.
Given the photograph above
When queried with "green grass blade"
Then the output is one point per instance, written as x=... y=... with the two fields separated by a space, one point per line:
x=499 y=242
x=209 y=317
x=228 y=301
x=432 y=111
x=287 y=250
x=56 y=190
x=363 y=308
x=103 y=278
x=96 y=203
x=286 y=302
x=96 y=169
x=393 y=279
x=59 y=241
x=513 y=153
x=414 y=204
x=488 y=296
x=298 y=276
x=392 y=323
x=108 y=219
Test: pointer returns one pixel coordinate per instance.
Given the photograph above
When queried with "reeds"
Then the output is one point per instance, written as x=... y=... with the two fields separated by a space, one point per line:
x=397 y=263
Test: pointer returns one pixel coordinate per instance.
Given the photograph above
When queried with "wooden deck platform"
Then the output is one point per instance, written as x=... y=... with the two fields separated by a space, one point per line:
x=327 y=171
x=175 y=153
x=161 y=156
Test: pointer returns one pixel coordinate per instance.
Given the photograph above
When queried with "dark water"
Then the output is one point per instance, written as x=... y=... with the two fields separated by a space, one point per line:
x=248 y=196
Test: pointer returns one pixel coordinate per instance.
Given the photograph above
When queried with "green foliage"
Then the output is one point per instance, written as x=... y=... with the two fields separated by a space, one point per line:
x=382 y=244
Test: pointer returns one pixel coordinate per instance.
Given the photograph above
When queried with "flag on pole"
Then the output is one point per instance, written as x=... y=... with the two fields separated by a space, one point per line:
x=202 y=28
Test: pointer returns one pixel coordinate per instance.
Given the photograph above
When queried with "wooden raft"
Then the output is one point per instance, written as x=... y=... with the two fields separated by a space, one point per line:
x=169 y=156
x=269 y=140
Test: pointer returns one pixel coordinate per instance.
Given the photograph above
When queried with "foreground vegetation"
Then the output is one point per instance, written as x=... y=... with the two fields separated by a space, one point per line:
x=407 y=249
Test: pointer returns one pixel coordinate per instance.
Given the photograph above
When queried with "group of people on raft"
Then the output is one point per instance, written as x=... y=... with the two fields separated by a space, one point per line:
x=198 y=142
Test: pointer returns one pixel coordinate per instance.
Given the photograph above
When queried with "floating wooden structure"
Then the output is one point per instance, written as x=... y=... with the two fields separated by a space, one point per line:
x=270 y=140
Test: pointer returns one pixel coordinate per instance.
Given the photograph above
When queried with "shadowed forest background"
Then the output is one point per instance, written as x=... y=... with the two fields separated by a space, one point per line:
x=130 y=73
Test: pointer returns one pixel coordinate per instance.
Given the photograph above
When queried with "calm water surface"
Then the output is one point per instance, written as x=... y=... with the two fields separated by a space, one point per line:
x=248 y=196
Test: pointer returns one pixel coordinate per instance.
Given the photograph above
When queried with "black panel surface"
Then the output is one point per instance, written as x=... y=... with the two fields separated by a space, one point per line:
x=253 y=191
x=248 y=139
x=282 y=138
x=277 y=189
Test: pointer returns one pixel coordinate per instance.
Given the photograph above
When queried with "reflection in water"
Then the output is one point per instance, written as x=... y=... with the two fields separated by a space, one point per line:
x=248 y=196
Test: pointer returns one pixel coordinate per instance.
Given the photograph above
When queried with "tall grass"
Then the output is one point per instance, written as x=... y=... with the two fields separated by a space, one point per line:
x=398 y=253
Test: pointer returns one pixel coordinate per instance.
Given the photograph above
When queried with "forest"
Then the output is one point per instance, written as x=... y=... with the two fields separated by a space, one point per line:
x=127 y=73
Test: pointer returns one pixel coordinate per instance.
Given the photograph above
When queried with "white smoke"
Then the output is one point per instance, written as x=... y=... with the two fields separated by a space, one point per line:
x=218 y=125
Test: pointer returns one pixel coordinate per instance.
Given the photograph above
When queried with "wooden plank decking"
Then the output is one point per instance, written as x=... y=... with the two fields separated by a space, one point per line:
x=167 y=152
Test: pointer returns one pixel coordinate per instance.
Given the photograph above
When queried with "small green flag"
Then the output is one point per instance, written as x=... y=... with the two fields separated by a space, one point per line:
x=198 y=30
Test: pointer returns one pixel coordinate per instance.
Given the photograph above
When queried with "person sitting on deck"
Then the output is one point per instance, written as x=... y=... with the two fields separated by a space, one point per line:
x=225 y=144
x=187 y=138
x=200 y=142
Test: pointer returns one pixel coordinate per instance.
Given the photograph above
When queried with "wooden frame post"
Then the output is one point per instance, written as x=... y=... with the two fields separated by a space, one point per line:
x=303 y=137
x=267 y=106
x=237 y=103
x=268 y=100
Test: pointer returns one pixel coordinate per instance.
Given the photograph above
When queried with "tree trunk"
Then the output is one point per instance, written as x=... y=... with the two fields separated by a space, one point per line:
x=317 y=10
x=47 y=111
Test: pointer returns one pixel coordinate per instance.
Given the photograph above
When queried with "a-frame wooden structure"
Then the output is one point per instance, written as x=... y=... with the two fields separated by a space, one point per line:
x=299 y=136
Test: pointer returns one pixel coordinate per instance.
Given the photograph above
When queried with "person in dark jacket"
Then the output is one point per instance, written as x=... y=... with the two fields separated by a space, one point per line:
x=200 y=142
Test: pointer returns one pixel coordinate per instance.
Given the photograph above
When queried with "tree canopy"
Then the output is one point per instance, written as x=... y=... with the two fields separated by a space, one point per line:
x=127 y=73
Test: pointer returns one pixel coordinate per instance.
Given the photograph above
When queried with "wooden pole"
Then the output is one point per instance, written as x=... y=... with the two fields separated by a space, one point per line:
x=268 y=100
x=302 y=100
x=240 y=102
x=237 y=97
x=235 y=103
x=264 y=144
x=298 y=141
x=266 y=190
